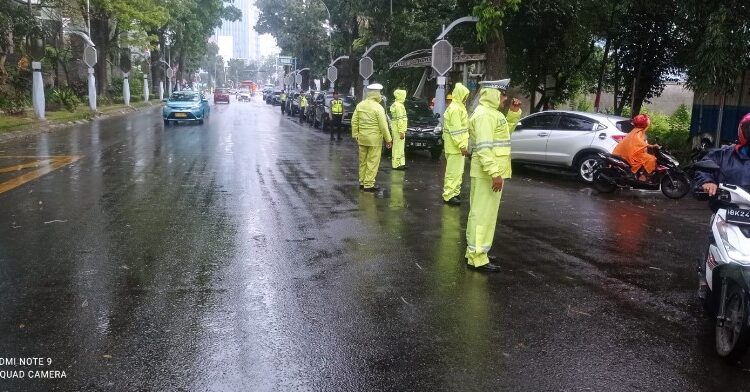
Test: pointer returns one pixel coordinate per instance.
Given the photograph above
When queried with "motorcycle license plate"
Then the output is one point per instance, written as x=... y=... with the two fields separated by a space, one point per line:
x=417 y=144
x=738 y=215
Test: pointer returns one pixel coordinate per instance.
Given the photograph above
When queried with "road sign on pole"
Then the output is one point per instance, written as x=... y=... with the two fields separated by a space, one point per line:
x=442 y=57
x=442 y=62
x=89 y=56
x=365 y=67
x=298 y=79
x=333 y=73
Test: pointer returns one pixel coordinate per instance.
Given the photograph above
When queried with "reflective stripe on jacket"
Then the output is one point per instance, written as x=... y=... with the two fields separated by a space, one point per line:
x=337 y=106
x=369 y=123
x=399 y=120
x=456 y=122
x=488 y=131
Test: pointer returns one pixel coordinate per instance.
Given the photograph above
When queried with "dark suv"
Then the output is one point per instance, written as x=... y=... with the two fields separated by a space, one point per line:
x=423 y=130
x=323 y=110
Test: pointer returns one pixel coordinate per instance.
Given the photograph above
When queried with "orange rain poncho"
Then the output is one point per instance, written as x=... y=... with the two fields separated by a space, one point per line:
x=634 y=149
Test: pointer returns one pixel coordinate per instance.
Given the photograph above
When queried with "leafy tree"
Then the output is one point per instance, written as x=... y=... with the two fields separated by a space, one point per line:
x=646 y=43
x=718 y=50
x=552 y=31
x=15 y=24
x=492 y=15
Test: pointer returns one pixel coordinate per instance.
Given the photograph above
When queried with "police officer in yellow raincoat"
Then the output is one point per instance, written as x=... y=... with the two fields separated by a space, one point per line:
x=456 y=141
x=490 y=166
x=370 y=129
x=399 y=122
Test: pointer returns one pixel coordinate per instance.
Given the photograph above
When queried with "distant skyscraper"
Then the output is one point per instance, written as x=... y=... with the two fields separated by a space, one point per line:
x=244 y=42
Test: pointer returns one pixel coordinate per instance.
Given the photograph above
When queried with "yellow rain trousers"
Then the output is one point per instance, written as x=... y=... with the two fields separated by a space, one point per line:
x=490 y=136
x=455 y=138
x=399 y=124
x=370 y=129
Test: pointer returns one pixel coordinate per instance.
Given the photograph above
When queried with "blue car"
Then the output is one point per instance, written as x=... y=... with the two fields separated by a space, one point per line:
x=185 y=106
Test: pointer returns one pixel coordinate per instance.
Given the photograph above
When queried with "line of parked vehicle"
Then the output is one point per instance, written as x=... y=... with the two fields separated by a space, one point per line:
x=578 y=141
x=423 y=133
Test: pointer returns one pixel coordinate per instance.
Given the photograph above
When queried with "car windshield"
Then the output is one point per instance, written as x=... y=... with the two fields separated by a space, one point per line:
x=221 y=91
x=417 y=109
x=184 y=97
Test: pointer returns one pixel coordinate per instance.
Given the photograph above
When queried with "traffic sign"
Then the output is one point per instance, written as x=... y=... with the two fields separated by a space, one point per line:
x=89 y=56
x=333 y=73
x=286 y=60
x=170 y=73
x=365 y=67
x=298 y=79
x=125 y=63
x=442 y=57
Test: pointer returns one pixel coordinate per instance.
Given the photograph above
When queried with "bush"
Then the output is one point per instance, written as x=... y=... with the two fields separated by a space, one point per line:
x=66 y=97
x=13 y=102
x=584 y=105
x=672 y=131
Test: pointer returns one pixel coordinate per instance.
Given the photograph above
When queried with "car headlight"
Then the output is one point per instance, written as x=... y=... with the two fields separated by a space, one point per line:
x=195 y=107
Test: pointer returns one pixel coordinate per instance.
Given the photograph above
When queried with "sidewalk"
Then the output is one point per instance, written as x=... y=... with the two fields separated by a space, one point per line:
x=12 y=127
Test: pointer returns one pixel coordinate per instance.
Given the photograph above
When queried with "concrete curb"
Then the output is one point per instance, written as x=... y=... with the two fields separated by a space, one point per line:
x=48 y=127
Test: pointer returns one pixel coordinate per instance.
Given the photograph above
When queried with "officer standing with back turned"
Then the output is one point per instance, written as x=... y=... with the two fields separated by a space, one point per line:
x=490 y=167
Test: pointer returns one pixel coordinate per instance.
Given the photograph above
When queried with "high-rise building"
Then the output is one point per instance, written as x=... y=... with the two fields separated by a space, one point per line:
x=244 y=41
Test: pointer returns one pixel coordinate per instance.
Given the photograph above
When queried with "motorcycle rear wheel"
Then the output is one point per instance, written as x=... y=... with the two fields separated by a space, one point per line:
x=733 y=337
x=602 y=184
x=677 y=187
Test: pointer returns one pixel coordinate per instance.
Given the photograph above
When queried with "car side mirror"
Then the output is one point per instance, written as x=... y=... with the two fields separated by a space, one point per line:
x=164 y=100
x=204 y=100
x=519 y=126
x=437 y=115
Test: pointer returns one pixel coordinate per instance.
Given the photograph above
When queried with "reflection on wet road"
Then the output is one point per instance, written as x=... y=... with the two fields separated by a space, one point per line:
x=240 y=255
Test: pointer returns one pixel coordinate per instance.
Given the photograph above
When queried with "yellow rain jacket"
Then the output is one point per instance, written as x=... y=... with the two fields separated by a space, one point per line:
x=488 y=130
x=514 y=118
x=398 y=113
x=369 y=123
x=456 y=122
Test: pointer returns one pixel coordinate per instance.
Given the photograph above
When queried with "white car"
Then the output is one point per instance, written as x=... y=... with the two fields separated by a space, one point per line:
x=567 y=139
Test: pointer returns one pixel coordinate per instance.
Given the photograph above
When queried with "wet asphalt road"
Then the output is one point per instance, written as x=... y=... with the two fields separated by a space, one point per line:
x=240 y=255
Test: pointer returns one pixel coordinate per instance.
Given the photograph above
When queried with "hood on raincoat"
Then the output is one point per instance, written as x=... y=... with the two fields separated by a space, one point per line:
x=374 y=95
x=400 y=95
x=490 y=97
x=460 y=93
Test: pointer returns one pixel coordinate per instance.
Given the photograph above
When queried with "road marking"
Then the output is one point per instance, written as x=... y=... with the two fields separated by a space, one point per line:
x=22 y=166
x=44 y=165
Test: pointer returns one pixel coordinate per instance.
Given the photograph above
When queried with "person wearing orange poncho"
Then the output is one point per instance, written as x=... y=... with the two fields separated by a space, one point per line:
x=634 y=148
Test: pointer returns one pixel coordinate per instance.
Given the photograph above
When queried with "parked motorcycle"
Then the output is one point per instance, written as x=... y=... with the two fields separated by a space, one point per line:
x=724 y=270
x=613 y=172
x=698 y=153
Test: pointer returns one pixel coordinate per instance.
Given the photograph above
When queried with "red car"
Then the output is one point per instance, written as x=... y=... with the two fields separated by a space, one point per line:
x=221 y=95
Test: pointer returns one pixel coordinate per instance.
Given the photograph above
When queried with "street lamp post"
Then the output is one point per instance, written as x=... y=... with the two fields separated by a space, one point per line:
x=37 y=90
x=90 y=58
x=366 y=66
x=144 y=68
x=333 y=72
x=125 y=67
x=442 y=61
